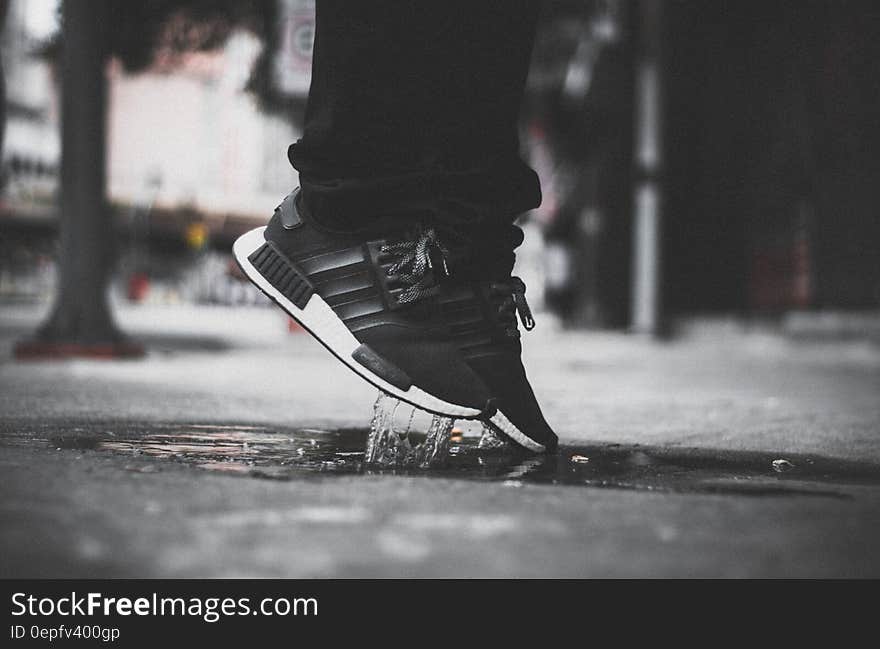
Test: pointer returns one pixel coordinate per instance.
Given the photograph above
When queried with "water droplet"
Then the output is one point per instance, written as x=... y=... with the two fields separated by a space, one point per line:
x=782 y=465
x=435 y=449
x=491 y=439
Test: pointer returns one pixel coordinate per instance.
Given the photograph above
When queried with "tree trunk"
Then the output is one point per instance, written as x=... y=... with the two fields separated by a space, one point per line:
x=81 y=322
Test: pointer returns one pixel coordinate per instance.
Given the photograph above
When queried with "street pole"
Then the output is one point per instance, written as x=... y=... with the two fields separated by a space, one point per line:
x=648 y=157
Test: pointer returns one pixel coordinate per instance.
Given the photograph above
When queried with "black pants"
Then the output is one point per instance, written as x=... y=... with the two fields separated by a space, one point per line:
x=413 y=111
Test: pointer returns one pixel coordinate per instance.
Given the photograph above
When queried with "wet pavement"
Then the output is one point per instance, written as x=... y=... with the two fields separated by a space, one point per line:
x=302 y=454
x=752 y=460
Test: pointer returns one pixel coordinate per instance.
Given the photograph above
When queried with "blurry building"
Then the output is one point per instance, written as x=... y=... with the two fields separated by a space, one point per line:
x=31 y=143
x=30 y=152
x=769 y=128
x=194 y=158
x=192 y=140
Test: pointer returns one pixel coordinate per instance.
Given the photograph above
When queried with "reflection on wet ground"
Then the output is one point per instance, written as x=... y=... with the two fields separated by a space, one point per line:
x=280 y=454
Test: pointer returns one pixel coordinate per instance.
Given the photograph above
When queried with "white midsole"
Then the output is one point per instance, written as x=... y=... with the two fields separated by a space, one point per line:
x=319 y=318
x=506 y=426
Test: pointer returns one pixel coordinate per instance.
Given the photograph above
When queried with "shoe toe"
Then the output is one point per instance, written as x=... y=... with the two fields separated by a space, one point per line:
x=513 y=396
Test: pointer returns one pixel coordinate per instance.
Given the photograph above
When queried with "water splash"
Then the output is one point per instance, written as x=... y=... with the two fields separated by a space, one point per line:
x=385 y=445
x=489 y=439
x=394 y=445
x=434 y=451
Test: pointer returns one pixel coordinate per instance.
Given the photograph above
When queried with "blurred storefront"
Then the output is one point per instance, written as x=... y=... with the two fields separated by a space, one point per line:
x=189 y=148
x=30 y=153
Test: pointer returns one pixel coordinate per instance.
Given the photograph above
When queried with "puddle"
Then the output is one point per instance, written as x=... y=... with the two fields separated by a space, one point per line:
x=302 y=453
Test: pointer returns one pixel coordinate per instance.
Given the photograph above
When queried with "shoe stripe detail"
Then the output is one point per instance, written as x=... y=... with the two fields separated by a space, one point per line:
x=358 y=308
x=475 y=339
x=331 y=260
x=351 y=296
x=465 y=329
x=461 y=294
x=332 y=274
x=464 y=320
x=480 y=351
x=459 y=307
x=281 y=275
x=339 y=286
x=368 y=323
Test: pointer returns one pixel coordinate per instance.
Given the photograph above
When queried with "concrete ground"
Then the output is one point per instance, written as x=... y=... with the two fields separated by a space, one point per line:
x=680 y=483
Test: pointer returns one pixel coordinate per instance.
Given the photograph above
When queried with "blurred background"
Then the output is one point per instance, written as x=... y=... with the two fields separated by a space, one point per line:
x=696 y=157
x=705 y=264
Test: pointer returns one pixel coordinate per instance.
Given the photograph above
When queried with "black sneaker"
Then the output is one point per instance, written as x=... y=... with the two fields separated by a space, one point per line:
x=482 y=316
x=371 y=301
x=389 y=308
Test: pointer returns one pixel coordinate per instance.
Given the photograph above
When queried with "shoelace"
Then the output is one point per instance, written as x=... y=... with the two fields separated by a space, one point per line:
x=414 y=260
x=513 y=303
x=413 y=263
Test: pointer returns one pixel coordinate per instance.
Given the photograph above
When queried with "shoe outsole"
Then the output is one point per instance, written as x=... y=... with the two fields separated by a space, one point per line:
x=326 y=327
